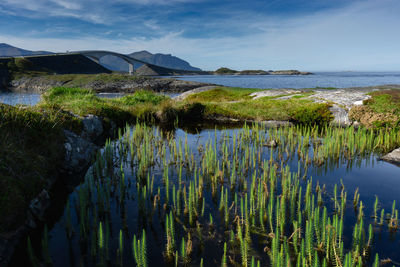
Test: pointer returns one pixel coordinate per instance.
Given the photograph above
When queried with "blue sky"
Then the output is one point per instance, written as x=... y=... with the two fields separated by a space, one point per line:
x=260 y=34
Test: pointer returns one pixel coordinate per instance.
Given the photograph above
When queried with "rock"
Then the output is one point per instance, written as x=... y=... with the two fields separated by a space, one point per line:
x=272 y=143
x=78 y=152
x=393 y=157
x=274 y=92
x=121 y=84
x=92 y=127
x=193 y=91
x=39 y=204
x=289 y=72
x=341 y=116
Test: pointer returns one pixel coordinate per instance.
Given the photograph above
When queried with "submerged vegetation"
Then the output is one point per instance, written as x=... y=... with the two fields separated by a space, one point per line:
x=236 y=198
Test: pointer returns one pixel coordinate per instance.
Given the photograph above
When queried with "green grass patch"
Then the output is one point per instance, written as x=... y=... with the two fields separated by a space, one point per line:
x=382 y=110
x=385 y=101
x=140 y=105
x=271 y=109
x=30 y=156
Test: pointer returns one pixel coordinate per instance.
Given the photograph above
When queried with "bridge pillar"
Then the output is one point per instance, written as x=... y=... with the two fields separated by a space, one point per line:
x=130 y=68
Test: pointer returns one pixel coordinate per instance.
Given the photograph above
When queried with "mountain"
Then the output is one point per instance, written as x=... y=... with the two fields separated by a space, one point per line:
x=111 y=62
x=7 y=50
x=167 y=61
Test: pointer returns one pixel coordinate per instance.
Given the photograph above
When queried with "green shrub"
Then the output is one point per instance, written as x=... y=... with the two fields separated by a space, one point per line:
x=311 y=114
x=143 y=96
x=191 y=112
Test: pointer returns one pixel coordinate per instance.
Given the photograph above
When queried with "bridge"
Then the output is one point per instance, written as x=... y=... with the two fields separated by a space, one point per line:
x=96 y=55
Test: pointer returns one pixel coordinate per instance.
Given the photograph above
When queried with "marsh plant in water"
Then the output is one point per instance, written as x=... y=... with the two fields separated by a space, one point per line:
x=234 y=198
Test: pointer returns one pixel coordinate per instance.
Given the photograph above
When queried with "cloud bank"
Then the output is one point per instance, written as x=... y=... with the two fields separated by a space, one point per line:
x=361 y=36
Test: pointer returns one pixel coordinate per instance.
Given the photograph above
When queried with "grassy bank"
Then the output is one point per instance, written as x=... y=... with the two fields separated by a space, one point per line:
x=381 y=110
x=233 y=103
x=238 y=104
x=31 y=142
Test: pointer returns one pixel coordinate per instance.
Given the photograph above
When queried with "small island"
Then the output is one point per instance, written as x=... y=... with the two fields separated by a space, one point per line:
x=228 y=71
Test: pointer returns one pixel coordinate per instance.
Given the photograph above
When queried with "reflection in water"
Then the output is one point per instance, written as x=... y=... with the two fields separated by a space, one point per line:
x=19 y=99
x=150 y=176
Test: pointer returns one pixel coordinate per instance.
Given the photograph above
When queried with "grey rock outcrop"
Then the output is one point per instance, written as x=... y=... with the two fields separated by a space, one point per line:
x=128 y=85
x=393 y=157
x=194 y=91
x=78 y=152
x=92 y=127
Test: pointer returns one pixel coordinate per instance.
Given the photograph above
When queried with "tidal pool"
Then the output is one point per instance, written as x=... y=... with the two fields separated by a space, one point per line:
x=269 y=196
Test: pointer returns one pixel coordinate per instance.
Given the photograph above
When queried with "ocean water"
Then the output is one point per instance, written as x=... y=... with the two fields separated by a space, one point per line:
x=318 y=79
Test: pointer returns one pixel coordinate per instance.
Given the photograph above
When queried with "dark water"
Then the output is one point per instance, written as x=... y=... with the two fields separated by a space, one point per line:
x=371 y=176
x=318 y=79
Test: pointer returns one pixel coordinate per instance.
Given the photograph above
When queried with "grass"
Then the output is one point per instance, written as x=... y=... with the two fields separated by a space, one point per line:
x=238 y=104
x=27 y=163
x=270 y=211
x=142 y=104
x=381 y=110
x=234 y=103
x=385 y=101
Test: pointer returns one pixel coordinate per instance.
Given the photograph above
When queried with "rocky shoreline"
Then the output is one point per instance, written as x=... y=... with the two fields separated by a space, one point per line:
x=43 y=83
x=78 y=155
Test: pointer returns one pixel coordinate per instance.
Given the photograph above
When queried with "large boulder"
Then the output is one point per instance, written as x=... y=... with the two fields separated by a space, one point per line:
x=393 y=157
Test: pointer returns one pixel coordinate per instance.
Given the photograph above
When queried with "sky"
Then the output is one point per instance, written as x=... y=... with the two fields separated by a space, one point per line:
x=309 y=35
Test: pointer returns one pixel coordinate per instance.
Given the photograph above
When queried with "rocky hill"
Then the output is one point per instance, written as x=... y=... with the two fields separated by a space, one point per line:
x=7 y=50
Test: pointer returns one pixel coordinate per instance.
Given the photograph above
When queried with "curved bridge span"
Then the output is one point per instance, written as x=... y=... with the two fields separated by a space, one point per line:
x=96 y=55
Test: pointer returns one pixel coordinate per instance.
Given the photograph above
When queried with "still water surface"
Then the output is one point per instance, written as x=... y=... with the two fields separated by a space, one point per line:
x=318 y=79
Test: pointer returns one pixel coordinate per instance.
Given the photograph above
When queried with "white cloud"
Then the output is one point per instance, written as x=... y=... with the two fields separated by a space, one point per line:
x=359 y=37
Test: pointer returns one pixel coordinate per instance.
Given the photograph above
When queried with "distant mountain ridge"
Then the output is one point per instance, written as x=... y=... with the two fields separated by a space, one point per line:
x=165 y=60
x=110 y=62
x=7 y=50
